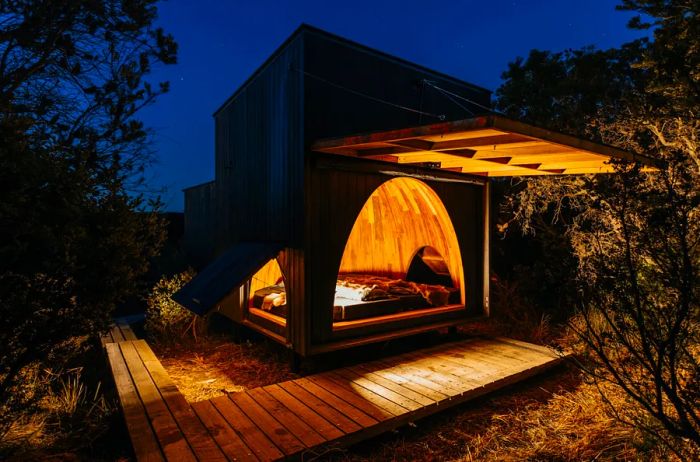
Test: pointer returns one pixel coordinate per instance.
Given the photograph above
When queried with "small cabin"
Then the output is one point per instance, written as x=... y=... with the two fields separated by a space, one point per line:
x=350 y=202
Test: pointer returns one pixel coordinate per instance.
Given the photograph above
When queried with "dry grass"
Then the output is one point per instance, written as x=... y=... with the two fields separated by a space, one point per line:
x=551 y=418
x=214 y=365
x=556 y=417
x=65 y=424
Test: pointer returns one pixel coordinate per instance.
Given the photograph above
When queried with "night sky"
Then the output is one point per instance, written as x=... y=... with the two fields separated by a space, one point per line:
x=222 y=42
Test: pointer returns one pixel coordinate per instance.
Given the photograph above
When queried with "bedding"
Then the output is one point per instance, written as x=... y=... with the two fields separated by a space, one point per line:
x=360 y=296
x=363 y=287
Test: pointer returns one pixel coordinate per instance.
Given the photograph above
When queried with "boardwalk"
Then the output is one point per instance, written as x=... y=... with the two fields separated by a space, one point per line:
x=299 y=418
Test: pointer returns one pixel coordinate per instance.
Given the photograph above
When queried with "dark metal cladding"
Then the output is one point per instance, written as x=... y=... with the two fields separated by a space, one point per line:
x=267 y=187
x=200 y=220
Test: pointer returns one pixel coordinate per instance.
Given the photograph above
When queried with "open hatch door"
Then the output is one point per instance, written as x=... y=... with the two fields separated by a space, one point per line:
x=228 y=272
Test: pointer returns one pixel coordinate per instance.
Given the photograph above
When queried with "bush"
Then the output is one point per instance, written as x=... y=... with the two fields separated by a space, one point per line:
x=75 y=236
x=64 y=409
x=166 y=320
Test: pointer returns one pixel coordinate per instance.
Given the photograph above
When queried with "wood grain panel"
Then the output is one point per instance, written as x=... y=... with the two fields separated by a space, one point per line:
x=400 y=217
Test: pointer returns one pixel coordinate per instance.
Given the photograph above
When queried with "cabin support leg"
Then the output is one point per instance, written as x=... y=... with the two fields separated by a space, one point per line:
x=294 y=361
x=237 y=332
x=452 y=331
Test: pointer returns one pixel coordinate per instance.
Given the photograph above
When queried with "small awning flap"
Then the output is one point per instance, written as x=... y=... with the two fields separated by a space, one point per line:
x=490 y=145
x=228 y=272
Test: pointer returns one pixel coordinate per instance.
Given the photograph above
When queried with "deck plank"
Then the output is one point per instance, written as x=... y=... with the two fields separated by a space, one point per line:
x=274 y=430
x=171 y=439
x=339 y=404
x=427 y=390
x=226 y=437
x=365 y=400
x=117 y=334
x=304 y=433
x=204 y=447
x=254 y=438
x=107 y=338
x=405 y=404
x=143 y=439
x=126 y=331
x=423 y=377
x=394 y=386
x=324 y=428
x=338 y=419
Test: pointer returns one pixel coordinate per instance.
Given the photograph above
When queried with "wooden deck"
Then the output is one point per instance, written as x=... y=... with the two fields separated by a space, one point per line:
x=118 y=332
x=299 y=418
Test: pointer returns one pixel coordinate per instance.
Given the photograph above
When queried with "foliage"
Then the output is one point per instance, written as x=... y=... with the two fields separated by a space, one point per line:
x=72 y=411
x=635 y=232
x=166 y=319
x=73 y=234
x=533 y=271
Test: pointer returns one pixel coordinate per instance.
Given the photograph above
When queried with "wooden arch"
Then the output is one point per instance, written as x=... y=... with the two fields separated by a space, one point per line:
x=400 y=217
x=266 y=276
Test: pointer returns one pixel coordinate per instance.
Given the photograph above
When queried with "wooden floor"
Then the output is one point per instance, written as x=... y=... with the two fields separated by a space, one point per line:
x=300 y=418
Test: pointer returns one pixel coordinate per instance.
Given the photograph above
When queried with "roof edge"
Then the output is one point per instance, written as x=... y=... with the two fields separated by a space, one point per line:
x=303 y=27
x=398 y=59
x=198 y=185
x=490 y=120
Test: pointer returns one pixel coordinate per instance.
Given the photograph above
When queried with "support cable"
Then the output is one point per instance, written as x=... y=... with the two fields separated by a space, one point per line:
x=455 y=95
x=370 y=97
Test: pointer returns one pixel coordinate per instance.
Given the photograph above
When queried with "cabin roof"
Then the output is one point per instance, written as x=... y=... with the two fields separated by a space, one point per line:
x=489 y=145
x=306 y=28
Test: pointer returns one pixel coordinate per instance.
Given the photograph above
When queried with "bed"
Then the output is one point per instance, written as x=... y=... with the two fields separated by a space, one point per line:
x=360 y=296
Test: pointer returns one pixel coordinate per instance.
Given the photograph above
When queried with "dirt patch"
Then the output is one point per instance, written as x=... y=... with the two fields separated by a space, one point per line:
x=214 y=366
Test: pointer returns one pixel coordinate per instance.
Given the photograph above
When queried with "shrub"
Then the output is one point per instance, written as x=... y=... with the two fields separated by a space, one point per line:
x=166 y=320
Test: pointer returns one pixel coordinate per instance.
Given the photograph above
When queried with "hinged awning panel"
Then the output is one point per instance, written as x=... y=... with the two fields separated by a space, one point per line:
x=228 y=272
x=489 y=146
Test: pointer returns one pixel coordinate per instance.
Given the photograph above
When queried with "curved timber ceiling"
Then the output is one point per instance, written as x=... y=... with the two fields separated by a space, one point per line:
x=401 y=216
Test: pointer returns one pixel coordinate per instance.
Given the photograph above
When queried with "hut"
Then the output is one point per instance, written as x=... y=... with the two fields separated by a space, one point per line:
x=350 y=202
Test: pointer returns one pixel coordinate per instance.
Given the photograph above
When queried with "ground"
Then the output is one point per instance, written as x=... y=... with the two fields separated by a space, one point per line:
x=553 y=417
x=216 y=365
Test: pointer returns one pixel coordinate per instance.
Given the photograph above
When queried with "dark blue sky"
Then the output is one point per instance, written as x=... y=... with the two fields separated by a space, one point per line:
x=222 y=42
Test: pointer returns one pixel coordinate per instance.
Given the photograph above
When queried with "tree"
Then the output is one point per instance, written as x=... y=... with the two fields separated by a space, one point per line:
x=74 y=231
x=635 y=232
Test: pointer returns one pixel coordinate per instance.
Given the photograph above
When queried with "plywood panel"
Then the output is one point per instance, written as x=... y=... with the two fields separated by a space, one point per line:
x=399 y=218
x=266 y=276
x=338 y=188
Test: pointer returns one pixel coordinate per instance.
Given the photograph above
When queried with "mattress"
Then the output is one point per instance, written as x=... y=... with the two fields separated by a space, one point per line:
x=362 y=296
x=348 y=310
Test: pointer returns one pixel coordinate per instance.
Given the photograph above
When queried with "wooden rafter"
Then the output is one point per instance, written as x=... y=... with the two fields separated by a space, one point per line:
x=491 y=145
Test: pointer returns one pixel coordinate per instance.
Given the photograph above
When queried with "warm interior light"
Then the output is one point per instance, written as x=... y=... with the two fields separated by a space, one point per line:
x=267 y=292
x=401 y=217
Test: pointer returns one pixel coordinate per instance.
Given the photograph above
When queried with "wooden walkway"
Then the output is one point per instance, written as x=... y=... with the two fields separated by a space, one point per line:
x=301 y=418
x=119 y=332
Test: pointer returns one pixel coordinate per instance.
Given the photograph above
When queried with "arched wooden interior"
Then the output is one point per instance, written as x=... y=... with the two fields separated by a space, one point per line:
x=400 y=217
x=269 y=275
x=428 y=266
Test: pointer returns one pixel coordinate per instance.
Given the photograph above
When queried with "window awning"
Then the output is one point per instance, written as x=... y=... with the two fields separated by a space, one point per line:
x=489 y=146
x=228 y=272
